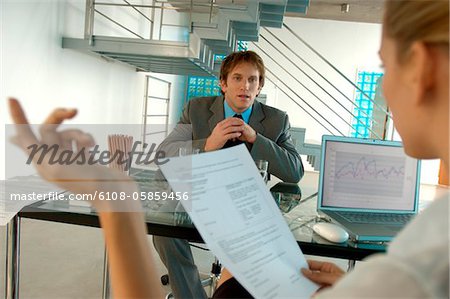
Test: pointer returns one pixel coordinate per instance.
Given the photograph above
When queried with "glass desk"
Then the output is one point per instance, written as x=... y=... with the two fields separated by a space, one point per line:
x=179 y=225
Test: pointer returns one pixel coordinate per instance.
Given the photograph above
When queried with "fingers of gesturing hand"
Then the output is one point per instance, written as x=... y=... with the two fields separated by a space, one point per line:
x=48 y=129
x=25 y=135
x=59 y=115
x=75 y=140
x=66 y=139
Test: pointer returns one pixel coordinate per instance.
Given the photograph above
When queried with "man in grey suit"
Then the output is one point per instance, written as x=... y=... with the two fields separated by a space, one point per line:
x=212 y=123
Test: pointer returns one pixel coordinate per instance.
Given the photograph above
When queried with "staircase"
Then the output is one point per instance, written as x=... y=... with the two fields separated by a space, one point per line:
x=213 y=28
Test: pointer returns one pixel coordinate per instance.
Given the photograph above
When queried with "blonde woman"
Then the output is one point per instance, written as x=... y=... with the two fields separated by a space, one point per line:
x=415 y=54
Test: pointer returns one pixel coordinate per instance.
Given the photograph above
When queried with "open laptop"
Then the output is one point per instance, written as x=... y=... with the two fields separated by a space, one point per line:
x=370 y=187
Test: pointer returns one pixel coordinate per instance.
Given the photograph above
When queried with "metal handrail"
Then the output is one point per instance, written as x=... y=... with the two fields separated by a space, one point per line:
x=300 y=106
x=373 y=121
x=339 y=72
x=138 y=11
x=118 y=24
x=305 y=102
x=155 y=6
x=185 y=5
x=89 y=21
x=317 y=72
x=318 y=85
x=304 y=86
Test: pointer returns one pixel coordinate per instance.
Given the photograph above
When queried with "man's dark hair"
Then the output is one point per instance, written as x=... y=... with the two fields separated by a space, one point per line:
x=235 y=58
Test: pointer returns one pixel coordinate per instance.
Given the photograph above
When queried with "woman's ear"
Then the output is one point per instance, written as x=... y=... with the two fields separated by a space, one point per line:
x=420 y=67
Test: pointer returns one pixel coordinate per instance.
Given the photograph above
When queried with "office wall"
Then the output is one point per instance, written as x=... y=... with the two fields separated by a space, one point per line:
x=350 y=47
x=43 y=75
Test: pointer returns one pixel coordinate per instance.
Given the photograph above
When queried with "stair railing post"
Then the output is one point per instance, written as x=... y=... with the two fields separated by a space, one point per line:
x=89 y=21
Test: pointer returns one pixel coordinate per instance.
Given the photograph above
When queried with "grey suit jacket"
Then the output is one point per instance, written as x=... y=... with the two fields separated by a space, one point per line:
x=273 y=141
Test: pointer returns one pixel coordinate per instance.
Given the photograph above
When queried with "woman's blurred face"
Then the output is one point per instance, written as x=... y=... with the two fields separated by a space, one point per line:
x=399 y=97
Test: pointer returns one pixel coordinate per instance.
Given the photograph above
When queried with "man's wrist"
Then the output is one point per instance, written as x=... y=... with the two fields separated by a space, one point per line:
x=207 y=147
x=252 y=139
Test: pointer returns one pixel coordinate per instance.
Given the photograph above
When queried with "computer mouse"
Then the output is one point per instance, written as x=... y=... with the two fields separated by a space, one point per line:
x=331 y=232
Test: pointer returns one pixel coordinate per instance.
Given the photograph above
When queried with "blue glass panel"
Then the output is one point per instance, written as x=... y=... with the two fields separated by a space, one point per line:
x=202 y=87
x=218 y=58
x=366 y=81
x=242 y=45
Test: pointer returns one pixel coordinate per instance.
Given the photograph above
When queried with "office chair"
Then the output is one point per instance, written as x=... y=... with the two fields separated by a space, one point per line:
x=286 y=195
x=211 y=281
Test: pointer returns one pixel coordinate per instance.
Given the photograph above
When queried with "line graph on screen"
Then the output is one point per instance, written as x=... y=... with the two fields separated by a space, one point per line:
x=368 y=174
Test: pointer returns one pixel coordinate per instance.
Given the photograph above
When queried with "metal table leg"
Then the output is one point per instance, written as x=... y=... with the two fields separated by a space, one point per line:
x=351 y=265
x=106 y=285
x=12 y=258
x=214 y=277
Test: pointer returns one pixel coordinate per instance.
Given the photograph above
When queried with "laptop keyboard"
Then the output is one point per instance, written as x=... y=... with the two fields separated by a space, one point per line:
x=376 y=218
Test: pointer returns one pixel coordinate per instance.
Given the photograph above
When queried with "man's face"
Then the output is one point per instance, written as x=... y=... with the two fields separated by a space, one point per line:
x=241 y=86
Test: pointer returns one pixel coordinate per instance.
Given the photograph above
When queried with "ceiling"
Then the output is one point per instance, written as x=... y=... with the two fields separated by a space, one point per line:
x=367 y=11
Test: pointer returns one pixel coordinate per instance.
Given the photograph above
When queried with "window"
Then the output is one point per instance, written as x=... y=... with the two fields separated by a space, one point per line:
x=242 y=45
x=362 y=122
x=202 y=87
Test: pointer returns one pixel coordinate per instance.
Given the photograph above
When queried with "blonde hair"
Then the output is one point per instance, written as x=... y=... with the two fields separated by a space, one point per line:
x=407 y=21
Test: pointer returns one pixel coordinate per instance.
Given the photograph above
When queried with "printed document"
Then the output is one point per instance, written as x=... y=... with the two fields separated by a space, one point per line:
x=237 y=217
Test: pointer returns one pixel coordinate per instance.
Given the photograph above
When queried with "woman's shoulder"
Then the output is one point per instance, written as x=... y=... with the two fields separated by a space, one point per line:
x=426 y=238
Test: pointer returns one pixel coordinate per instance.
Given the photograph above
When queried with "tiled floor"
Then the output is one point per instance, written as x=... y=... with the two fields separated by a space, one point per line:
x=66 y=261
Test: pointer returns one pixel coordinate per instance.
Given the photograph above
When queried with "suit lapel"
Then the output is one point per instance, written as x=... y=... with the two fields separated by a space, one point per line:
x=217 y=113
x=257 y=117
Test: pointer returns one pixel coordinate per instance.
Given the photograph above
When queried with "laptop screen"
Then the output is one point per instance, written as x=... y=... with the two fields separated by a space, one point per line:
x=362 y=174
